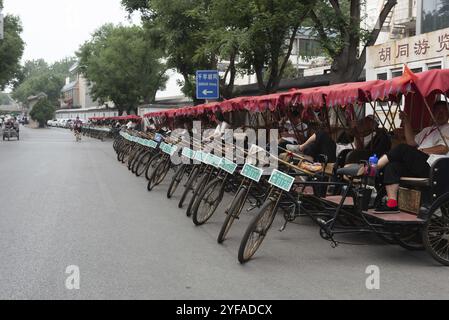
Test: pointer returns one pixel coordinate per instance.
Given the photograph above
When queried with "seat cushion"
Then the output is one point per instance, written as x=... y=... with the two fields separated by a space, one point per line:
x=416 y=182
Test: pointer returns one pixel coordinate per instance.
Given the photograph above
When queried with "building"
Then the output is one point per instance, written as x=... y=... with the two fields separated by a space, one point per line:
x=307 y=58
x=424 y=48
x=76 y=99
x=76 y=92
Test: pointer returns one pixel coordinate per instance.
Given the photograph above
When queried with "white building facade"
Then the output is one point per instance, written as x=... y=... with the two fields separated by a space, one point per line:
x=415 y=33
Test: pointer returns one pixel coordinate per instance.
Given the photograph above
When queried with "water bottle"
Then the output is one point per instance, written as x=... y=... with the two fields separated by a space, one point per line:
x=373 y=165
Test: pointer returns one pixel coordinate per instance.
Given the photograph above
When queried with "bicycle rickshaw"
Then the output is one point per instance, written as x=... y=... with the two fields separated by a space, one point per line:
x=302 y=188
x=9 y=133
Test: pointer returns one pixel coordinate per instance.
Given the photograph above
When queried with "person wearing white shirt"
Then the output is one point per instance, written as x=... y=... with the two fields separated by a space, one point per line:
x=415 y=158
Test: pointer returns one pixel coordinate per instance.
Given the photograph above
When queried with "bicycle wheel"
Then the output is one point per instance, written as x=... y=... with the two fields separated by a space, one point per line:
x=189 y=185
x=151 y=165
x=232 y=213
x=157 y=173
x=197 y=190
x=257 y=230
x=137 y=159
x=176 y=180
x=142 y=165
x=436 y=231
x=208 y=201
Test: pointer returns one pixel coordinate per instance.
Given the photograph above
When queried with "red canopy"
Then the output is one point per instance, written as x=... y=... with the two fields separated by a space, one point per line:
x=424 y=84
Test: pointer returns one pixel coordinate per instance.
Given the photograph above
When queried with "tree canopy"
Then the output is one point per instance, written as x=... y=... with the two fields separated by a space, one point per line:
x=123 y=66
x=252 y=36
x=42 y=111
x=257 y=36
x=11 y=50
x=37 y=76
x=338 y=26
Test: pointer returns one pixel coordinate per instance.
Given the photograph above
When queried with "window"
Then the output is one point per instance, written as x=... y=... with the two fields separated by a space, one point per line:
x=435 y=15
x=382 y=76
x=416 y=70
x=309 y=48
x=396 y=73
x=433 y=66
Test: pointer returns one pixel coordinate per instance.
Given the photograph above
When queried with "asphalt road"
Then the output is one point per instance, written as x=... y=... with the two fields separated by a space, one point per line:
x=64 y=204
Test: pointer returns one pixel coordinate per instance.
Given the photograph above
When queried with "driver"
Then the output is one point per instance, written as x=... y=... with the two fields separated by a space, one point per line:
x=415 y=158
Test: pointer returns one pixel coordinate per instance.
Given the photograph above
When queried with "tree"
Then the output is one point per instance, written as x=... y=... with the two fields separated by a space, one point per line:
x=180 y=28
x=37 y=76
x=42 y=111
x=253 y=36
x=337 y=23
x=11 y=50
x=122 y=66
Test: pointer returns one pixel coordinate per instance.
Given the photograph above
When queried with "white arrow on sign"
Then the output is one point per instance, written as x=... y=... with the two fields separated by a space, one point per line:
x=206 y=92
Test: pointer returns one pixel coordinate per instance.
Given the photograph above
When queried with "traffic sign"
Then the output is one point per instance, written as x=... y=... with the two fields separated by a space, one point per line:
x=207 y=85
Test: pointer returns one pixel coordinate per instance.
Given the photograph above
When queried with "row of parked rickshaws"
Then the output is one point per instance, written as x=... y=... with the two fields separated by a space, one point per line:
x=337 y=196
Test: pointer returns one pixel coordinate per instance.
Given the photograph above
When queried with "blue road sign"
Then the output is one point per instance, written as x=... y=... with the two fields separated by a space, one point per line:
x=207 y=85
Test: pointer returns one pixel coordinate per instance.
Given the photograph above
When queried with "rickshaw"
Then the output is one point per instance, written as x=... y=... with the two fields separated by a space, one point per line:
x=11 y=132
x=337 y=200
x=423 y=222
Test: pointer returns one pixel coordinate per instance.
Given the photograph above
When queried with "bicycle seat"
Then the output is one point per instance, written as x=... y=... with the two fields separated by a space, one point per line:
x=353 y=170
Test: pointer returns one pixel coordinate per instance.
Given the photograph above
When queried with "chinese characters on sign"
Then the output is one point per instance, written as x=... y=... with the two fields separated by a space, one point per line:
x=425 y=46
x=444 y=42
x=421 y=47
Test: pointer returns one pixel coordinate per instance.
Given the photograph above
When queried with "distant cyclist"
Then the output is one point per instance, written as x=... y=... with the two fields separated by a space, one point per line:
x=77 y=126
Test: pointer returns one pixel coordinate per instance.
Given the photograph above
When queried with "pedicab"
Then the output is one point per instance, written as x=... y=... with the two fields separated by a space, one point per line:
x=423 y=220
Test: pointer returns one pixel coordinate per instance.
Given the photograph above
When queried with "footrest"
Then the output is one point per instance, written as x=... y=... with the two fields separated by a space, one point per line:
x=394 y=218
x=349 y=201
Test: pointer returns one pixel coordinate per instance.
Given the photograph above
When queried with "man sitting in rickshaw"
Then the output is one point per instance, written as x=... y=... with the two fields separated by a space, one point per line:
x=369 y=139
x=415 y=158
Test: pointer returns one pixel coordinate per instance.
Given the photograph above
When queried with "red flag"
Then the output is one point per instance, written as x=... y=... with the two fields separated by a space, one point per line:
x=407 y=76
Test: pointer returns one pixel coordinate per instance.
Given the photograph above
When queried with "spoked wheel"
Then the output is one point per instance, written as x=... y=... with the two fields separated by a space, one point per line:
x=151 y=165
x=142 y=164
x=436 y=231
x=257 y=230
x=176 y=180
x=231 y=214
x=196 y=192
x=208 y=201
x=189 y=186
x=159 y=174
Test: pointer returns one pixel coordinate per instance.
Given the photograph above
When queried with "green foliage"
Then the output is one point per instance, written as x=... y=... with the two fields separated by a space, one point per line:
x=257 y=33
x=42 y=111
x=123 y=66
x=11 y=50
x=338 y=26
x=37 y=76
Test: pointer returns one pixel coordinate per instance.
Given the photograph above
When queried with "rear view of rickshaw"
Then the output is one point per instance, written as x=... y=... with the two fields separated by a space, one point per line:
x=423 y=218
x=9 y=133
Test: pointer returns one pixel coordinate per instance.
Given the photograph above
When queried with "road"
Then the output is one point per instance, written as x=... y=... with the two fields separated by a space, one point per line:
x=64 y=204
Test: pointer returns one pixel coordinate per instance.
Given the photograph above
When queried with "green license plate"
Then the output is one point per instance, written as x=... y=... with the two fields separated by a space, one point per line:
x=281 y=180
x=228 y=166
x=188 y=153
x=213 y=160
x=251 y=172
x=200 y=156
